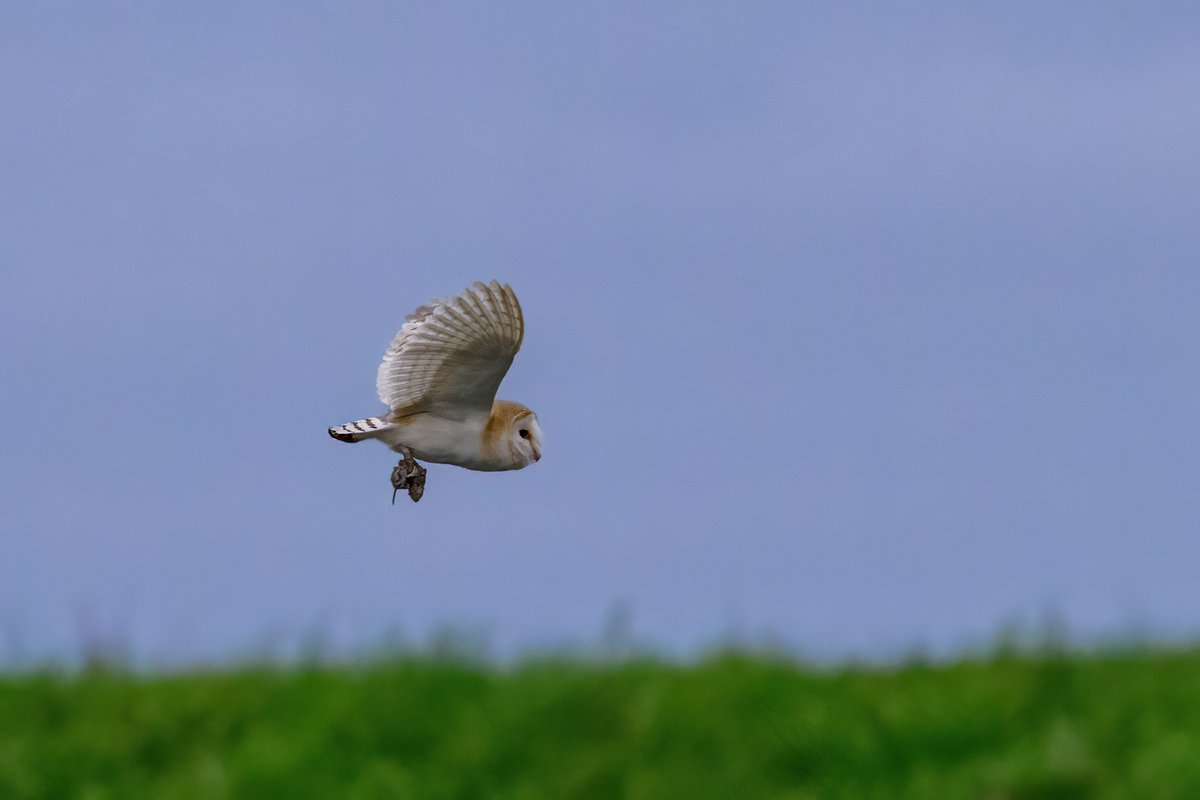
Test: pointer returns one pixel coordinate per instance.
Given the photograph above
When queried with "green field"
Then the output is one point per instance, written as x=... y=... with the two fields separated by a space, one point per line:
x=1056 y=726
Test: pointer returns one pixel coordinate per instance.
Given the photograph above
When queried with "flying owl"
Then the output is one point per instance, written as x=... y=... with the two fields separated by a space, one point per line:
x=439 y=379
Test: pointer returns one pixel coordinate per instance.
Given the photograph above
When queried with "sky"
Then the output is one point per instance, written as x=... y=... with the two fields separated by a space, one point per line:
x=854 y=329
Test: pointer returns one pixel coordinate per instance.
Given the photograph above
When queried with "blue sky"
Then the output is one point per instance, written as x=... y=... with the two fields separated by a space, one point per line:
x=857 y=330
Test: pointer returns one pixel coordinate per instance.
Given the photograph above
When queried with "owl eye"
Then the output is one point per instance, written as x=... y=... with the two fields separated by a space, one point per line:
x=524 y=433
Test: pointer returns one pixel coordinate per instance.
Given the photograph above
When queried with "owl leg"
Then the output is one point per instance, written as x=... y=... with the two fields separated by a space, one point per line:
x=410 y=475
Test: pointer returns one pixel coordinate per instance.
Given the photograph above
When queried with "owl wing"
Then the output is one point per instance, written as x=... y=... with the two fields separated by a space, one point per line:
x=450 y=355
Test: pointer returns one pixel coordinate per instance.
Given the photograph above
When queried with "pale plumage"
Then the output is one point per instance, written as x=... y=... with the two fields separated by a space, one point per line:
x=439 y=379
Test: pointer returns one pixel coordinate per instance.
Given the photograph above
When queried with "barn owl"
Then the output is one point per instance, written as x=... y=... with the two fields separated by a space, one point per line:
x=439 y=379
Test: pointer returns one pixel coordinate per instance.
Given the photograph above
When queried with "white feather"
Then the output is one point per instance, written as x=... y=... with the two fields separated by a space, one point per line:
x=450 y=355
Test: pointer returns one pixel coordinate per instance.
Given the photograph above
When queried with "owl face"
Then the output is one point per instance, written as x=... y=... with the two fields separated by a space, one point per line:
x=525 y=439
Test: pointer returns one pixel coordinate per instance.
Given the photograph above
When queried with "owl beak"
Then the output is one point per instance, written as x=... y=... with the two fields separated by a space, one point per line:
x=537 y=454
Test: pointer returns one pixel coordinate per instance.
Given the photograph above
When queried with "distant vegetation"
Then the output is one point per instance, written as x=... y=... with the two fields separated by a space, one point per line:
x=1052 y=727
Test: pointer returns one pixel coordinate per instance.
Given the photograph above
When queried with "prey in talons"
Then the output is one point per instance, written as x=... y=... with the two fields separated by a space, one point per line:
x=410 y=475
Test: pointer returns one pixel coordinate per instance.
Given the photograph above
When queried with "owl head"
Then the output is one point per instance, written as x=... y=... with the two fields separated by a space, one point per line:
x=512 y=437
x=525 y=439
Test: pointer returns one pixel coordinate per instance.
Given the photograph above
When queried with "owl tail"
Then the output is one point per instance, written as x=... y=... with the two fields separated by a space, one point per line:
x=358 y=430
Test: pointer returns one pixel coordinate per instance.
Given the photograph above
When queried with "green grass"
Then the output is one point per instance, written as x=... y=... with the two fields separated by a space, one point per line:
x=735 y=726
